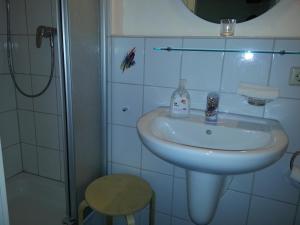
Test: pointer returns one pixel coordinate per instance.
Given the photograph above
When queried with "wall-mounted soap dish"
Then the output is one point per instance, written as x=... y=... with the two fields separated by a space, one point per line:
x=257 y=101
x=258 y=95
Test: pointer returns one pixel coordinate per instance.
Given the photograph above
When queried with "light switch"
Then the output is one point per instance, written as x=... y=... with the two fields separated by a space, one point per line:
x=295 y=76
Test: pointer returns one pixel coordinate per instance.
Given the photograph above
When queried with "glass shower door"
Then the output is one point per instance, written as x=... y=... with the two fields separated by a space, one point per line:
x=31 y=112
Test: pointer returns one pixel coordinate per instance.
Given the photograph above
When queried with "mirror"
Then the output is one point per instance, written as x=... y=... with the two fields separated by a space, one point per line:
x=241 y=10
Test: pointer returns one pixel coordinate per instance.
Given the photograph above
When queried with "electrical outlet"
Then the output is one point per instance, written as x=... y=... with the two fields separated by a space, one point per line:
x=295 y=76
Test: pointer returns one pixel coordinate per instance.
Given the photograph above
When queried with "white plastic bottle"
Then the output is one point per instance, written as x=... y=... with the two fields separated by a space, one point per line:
x=180 y=101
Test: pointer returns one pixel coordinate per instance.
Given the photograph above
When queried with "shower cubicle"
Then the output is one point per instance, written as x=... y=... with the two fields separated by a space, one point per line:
x=52 y=106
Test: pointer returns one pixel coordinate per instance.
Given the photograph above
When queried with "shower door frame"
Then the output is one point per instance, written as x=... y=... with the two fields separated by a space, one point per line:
x=3 y=193
x=72 y=200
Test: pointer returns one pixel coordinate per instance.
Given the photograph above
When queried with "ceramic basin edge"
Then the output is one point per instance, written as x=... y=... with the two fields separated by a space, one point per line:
x=215 y=160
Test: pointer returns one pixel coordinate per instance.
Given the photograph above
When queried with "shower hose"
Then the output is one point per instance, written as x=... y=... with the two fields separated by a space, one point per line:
x=10 y=57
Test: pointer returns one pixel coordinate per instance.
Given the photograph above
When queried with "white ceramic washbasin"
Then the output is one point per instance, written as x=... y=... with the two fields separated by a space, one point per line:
x=209 y=151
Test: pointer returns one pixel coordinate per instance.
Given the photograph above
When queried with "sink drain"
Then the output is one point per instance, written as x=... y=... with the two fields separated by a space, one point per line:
x=208 y=132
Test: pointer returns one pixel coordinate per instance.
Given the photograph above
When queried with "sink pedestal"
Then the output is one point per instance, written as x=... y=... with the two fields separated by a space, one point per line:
x=204 y=191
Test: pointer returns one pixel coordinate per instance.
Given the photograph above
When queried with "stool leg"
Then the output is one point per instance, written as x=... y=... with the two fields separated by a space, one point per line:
x=152 y=210
x=109 y=220
x=130 y=219
x=83 y=205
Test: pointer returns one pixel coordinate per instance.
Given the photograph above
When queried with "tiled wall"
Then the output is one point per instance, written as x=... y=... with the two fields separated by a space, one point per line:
x=265 y=197
x=31 y=126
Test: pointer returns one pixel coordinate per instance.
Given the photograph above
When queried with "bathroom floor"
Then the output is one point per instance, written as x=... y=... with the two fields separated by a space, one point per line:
x=33 y=200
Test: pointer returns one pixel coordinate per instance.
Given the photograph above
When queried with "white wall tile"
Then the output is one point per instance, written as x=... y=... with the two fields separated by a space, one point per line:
x=176 y=221
x=298 y=217
x=60 y=96
x=162 y=185
x=266 y=211
x=239 y=69
x=61 y=134
x=180 y=204
x=117 y=169
x=287 y=112
x=154 y=163
x=234 y=103
x=9 y=132
x=198 y=99
x=39 y=13
x=27 y=127
x=47 y=130
x=21 y=54
x=109 y=102
x=3 y=54
x=49 y=163
x=47 y=102
x=2 y=17
x=109 y=168
x=162 y=71
x=242 y=183
x=203 y=69
x=160 y=218
x=24 y=81
x=179 y=172
x=126 y=146
x=12 y=160
x=120 y=48
x=281 y=67
x=40 y=57
x=273 y=183
x=232 y=209
x=109 y=142
x=54 y=12
x=7 y=94
x=127 y=104
x=155 y=97
x=162 y=68
x=30 y=158
x=62 y=166
x=18 y=17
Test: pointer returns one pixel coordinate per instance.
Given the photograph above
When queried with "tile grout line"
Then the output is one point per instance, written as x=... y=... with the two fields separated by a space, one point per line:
x=143 y=100
x=42 y=146
x=142 y=169
x=110 y=105
x=251 y=197
x=269 y=73
x=173 y=191
x=58 y=122
x=222 y=67
x=16 y=92
x=19 y=130
x=10 y=146
x=8 y=111
x=181 y=60
x=32 y=100
x=192 y=89
x=297 y=210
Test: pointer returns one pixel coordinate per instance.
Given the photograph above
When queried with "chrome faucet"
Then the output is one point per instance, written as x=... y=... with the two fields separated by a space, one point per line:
x=211 y=112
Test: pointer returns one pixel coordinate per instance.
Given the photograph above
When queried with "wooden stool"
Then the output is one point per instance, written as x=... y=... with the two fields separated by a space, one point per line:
x=118 y=195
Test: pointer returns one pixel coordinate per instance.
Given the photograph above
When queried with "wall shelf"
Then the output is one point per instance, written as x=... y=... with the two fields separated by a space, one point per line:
x=281 y=52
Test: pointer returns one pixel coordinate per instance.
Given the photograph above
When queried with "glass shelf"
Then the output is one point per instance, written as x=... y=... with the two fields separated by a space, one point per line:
x=281 y=52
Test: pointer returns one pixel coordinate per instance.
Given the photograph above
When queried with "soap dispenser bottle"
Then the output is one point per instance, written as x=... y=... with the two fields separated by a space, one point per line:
x=180 y=101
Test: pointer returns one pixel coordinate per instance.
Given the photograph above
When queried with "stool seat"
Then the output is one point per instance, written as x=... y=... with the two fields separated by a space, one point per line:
x=118 y=195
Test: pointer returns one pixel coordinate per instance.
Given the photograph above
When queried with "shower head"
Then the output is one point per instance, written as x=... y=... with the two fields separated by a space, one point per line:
x=45 y=32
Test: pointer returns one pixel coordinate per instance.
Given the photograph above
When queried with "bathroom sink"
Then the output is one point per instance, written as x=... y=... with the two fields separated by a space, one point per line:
x=232 y=145
x=209 y=151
